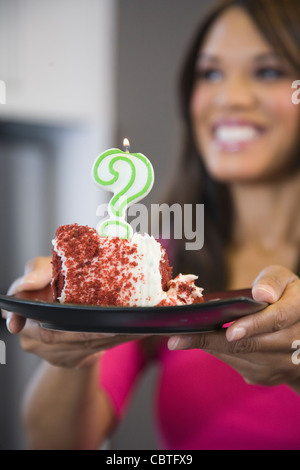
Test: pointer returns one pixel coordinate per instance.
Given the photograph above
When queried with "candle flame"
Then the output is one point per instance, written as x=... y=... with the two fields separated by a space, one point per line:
x=126 y=144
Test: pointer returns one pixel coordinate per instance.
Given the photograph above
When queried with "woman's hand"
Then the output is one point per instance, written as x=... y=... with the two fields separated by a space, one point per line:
x=259 y=346
x=37 y=275
x=59 y=348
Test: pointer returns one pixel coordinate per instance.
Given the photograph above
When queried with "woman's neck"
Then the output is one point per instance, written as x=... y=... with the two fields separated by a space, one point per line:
x=267 y=214
x=266 y=229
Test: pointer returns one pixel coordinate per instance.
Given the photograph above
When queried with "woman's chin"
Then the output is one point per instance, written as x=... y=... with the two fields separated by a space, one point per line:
x=229 y=174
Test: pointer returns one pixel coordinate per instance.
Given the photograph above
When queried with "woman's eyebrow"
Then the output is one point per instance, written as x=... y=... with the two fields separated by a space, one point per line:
x=266 y=56
x=255 y=57
x=204 y=56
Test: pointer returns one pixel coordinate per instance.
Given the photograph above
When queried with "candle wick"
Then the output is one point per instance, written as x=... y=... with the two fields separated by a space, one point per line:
x=126 y=145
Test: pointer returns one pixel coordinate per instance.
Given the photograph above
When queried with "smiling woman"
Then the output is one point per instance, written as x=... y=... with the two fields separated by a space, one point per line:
x=241 y=131
x=235 y=388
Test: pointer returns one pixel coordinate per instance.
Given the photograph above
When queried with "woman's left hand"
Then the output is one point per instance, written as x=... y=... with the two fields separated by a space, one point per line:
x=261 y=346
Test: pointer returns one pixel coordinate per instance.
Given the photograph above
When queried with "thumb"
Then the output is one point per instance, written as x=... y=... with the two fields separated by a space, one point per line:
x=271 y=283
x=37 y=275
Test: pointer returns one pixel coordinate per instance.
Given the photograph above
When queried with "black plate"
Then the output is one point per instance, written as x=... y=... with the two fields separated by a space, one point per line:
x=217 y=310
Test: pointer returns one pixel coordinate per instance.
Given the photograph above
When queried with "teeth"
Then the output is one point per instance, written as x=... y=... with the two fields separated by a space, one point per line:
x=236 y=133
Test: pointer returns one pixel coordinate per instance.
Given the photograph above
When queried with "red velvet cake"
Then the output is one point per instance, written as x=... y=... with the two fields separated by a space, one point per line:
x=89 y=269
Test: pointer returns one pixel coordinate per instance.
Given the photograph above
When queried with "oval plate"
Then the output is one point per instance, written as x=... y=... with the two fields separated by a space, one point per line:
x=212 y=314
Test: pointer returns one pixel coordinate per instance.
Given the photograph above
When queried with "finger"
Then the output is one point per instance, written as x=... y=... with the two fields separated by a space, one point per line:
x=271 y=283
x=276 y=317
x=14 y=323
x=37 y=275
x=208 y=341
x=71 y=339
x=39 y=271
x=217 y=343
x=33 y=329
x=21 y=284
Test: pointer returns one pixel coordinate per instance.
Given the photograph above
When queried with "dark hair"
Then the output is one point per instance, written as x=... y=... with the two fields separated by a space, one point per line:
x=279 y=22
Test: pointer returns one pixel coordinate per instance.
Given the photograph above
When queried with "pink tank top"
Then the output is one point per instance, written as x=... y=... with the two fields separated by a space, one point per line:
x=202 y=403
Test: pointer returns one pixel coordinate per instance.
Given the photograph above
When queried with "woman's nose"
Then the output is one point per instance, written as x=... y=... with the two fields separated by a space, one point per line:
x=236 y=92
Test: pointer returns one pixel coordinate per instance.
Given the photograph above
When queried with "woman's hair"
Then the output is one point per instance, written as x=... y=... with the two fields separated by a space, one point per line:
x=279 y=22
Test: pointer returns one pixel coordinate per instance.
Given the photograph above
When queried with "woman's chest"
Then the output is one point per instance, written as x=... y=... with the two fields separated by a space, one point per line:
x=202 y=403
x=246 y=262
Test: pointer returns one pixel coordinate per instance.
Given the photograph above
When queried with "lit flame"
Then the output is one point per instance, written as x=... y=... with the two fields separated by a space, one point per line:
x=126 y=144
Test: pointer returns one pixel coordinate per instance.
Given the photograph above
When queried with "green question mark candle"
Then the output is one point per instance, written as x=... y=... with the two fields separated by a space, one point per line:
x=130 y=177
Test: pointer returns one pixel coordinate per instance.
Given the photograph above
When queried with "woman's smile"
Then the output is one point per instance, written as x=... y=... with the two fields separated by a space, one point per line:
x=234 y=135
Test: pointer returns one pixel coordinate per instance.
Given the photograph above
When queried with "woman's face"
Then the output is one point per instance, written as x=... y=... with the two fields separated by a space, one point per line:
x=244 y=121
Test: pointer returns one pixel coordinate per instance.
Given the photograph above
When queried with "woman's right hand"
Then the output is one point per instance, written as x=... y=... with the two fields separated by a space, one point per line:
x=59 y=348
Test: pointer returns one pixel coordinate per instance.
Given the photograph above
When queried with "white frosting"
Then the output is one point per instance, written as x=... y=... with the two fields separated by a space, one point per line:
x=64 y=269
x=148 y=287
x=177 y=296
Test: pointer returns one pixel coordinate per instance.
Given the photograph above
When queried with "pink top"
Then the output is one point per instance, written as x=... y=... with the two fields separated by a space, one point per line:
x=202 y=403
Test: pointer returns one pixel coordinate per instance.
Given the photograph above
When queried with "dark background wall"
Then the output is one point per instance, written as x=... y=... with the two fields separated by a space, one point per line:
x=153 y=38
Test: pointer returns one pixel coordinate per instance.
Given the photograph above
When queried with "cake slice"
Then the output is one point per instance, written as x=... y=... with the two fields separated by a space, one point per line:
x=95 y=270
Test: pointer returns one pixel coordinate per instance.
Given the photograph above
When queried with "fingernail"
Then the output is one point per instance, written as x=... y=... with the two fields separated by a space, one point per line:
x=8 y=319
x=237 y=333
x=265 y=290
x=179 y=342
x=173 y=342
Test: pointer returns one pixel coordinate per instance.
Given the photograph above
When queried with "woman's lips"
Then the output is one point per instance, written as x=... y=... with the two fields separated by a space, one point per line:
x=235 y=136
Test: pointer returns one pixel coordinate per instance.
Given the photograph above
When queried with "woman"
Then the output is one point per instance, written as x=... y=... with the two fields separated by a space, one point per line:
x=233 y=389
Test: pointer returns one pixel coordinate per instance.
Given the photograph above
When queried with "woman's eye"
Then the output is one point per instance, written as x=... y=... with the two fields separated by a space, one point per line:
x=269 y=73
x=209 y=75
